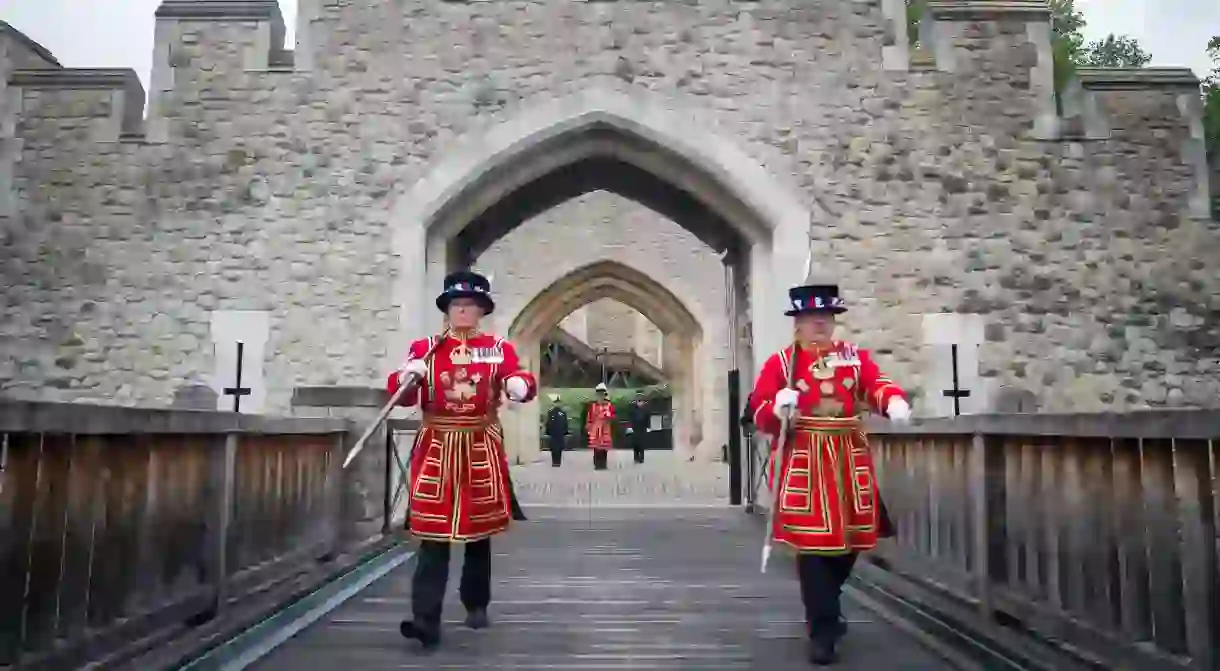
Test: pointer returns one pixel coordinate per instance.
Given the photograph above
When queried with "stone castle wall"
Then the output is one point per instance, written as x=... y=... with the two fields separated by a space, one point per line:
x=262 y=181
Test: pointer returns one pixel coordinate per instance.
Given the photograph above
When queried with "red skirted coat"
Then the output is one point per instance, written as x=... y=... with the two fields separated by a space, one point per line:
x=828 y=501
x=459 y=489
x=598 y=426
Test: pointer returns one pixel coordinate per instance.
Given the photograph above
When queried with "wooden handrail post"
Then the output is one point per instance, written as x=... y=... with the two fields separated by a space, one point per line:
x=221 y=472
x=1196 y=513
x=987 y=491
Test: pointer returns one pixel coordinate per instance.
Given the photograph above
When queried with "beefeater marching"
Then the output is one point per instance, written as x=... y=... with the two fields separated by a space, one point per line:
x=827 y=504
x=460 y=491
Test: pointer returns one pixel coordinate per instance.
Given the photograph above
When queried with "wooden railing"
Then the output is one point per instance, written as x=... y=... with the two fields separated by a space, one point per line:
x=121 y=524
x=1096 y=530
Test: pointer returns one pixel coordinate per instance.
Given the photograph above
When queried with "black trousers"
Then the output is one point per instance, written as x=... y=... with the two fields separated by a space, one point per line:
x=600 y=458
x=822 y=580
x=555 y=444
x=432 y=576
x=637 y=446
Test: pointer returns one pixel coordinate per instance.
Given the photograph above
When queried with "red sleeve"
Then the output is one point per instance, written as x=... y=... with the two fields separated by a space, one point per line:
x=769 y=383
x=877 y=388
x=511 y=367
x=418 y=350
x=610 y=411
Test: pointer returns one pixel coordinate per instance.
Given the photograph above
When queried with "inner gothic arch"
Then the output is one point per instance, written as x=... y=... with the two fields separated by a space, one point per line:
x=686 y=348
x=619 y=138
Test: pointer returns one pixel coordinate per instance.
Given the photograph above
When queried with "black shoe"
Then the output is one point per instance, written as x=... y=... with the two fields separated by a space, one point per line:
x=430 y=640
x=822 y=652
x=519 y=515
x=477 y=619
x=841 y=628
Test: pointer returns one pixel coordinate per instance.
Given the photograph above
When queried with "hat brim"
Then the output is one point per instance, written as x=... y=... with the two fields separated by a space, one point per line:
x=834 y=311
x=484 y=301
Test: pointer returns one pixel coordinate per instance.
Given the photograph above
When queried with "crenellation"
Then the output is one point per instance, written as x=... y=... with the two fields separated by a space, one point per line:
x=112 y=98
x=208 y=47
x=998 y=36
x=1159 y=108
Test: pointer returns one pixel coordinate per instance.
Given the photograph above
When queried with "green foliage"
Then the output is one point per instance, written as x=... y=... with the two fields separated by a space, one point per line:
x=574 y=399
x=914 y=17
x=1115 y=51
x=1211 y=116
x=1067 y=40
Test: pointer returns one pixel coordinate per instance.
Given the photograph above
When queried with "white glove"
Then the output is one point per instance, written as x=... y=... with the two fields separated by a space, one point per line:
x=898 y=411
x=516 y=388
x=785 y=401
x=413 y=371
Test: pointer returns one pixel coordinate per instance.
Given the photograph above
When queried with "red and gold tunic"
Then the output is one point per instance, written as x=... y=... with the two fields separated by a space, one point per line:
x=459 y=471
x=601 y=413
x=828 y=500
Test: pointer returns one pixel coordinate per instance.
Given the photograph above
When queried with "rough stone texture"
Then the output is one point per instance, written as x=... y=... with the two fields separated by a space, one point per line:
x=633 y=331
x=271 y=190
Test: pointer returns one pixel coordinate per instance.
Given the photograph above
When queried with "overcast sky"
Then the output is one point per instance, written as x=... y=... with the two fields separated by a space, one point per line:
x=119 y=33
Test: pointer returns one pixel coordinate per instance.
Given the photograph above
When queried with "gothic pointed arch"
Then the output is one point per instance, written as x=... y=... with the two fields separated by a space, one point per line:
x=605 y=279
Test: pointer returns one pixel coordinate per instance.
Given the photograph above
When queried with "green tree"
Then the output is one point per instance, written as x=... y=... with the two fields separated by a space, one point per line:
x=1067 y=40
x=1211 y=117
x=1115 y=51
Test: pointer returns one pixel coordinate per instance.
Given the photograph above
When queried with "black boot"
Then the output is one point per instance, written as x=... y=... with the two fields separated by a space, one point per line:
x=477 y=619
x=429 y=638
x=822 y=651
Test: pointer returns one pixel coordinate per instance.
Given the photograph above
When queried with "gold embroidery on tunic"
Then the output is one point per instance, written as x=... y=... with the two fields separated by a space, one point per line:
x=827 y=388
x=802 y=385
x=461 y=355
x=828 y=407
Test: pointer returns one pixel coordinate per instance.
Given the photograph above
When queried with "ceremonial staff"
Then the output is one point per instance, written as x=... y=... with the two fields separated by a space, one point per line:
x=389 y=407
x=781 y=446
x=781 y=441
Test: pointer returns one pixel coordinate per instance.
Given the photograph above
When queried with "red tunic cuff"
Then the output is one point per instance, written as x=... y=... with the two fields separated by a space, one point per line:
x=765 y=419
x=409 y=398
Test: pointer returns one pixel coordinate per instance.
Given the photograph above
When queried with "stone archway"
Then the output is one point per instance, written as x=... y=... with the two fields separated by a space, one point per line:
x=762 y=229
x=684 y=342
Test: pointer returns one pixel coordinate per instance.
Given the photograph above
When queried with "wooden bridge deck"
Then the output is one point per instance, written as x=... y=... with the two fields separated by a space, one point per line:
x=598 y=588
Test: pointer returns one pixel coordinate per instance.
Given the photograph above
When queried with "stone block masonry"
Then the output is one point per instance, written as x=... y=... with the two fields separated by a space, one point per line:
x=263 y=181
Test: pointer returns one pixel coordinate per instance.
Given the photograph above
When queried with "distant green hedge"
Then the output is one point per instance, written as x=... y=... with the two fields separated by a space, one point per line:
x=574 y=399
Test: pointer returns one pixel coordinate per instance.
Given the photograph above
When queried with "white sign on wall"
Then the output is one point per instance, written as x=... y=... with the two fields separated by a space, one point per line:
x=941 y=332
x=251 y=328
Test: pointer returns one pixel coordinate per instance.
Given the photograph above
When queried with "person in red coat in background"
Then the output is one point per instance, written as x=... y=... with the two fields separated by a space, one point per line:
x=828 y=509
x=599 y=428
x=460 y=491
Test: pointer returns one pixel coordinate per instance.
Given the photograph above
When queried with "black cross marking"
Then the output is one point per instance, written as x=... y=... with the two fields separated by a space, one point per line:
x=237 y=391
x=956 y=393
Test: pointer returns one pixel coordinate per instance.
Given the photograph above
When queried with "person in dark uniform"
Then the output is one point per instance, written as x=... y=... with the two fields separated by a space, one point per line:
x=556 y=431
x=637 y=426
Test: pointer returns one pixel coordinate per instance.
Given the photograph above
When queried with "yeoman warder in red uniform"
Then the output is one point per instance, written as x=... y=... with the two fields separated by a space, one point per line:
x=828 y=507
x=459 y=491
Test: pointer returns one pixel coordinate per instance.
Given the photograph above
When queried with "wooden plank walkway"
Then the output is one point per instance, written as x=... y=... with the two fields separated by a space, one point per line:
x=608 y=589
